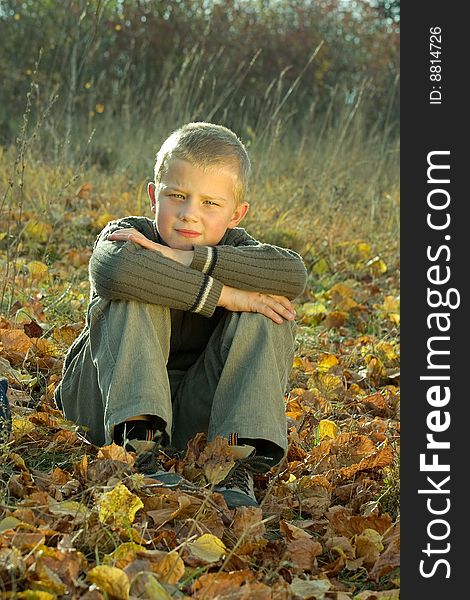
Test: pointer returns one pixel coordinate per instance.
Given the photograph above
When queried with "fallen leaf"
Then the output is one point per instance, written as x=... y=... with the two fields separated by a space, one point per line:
x=368 y=546
x=248 y=523
x=301 y=553
x=208 y=548
x=119 y=506
x=327 y=429
x=314 y=589
x=110 y=580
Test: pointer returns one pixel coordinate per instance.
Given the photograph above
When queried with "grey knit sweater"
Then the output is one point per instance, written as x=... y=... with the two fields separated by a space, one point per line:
x=126 y=271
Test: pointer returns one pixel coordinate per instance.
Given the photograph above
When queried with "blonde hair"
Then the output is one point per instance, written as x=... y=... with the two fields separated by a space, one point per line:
x=206 y=145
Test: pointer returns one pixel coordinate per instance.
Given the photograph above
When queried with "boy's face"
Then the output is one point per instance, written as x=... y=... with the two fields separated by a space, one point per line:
x=194 y=206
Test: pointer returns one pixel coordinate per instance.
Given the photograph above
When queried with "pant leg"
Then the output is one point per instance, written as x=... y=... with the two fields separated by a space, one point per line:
x=120 y=372
x=238 y=384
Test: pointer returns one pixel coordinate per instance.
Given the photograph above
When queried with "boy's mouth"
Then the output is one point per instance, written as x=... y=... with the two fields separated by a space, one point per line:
x=188 y=233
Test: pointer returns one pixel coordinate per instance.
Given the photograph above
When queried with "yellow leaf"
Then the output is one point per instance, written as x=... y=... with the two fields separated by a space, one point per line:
x=313 y=312
x=311 y=309
x=208 y=548
x=343 y=290
x=169 y=568
x=369 y=545
x=103 y=220
x=38 y=270
x=99 y=108
x=67 y=333
x=149 y=587
x=36 y=595
x=119 y=505
x=377 y=265
x=326 y=362
x=327 y=428
x=124 y=554
x=321 y=267
x=391 y=304
x=69 y=507
x=111 y=581
x=364 y=249
x=37 y=231
x=21 y=426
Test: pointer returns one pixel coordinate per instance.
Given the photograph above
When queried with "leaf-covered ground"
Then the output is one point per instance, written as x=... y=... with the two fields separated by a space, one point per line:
x=77 y=521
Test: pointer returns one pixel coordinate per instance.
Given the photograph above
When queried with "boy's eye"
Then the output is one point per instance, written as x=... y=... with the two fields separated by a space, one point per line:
x=211 y=203
x=178 y=196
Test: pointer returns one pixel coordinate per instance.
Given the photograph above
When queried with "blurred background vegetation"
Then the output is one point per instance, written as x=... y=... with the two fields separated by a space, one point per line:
x=144 y=67
x=91 y=88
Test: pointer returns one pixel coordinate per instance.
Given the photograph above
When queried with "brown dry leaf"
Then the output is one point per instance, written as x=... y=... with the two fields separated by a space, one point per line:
x=172 y=505
x=314 y=589
x=168 y=566
x=27 y=541
x=46 y=348
x=346 y=449
x=342 y=522
x=390 y=557
x=343 y=290
x=387 y=595
x=67 y=334
x=117 y=453
x=217 y=460
x=341 y=545
x=111 y=581
x=375 y=404
x=16 y=344
x=301 y=553
x=335 y=318
x=33 y=329
x=248 y=523
x=314 y=493
x=368 y=546
x=45 y=577
x=238 y=585
x=85 y=190
x=380 y=459
x=291 y=532
x=66 y=563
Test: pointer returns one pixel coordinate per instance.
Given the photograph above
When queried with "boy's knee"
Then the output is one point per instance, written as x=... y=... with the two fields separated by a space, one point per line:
x=259 y=326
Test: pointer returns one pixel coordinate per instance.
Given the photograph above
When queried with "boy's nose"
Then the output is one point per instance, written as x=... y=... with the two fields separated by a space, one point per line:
x=188 y=212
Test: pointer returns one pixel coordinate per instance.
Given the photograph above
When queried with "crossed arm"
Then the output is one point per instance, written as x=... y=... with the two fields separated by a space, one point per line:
x=275 y=307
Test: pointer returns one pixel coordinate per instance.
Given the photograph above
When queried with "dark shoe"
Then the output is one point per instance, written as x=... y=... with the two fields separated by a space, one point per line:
x=237 y=488
x=149 y=464
x=5 y=412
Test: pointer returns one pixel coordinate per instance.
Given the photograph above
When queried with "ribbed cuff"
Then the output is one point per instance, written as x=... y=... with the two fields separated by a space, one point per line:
x=209 y=298
x=204 y=258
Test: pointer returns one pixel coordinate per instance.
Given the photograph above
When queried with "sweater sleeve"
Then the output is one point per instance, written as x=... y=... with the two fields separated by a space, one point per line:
x=126 y=271
x=242 y=262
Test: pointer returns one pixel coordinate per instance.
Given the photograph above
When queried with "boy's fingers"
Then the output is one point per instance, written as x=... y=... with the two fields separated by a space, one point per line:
x=284 y=310
x=274 y=310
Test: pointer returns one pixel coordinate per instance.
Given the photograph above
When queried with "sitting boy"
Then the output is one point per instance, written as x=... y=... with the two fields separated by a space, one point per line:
x=189 y=326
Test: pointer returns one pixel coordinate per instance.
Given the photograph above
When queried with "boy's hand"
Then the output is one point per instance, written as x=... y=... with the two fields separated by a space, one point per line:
x=185 y=257
x=276 y=308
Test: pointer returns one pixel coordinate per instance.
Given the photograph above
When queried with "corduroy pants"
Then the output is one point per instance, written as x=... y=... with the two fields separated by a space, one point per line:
x=223 y=375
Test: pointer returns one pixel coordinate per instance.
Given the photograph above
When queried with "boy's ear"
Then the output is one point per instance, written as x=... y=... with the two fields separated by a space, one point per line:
x=238 y=214
x=151 y=191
